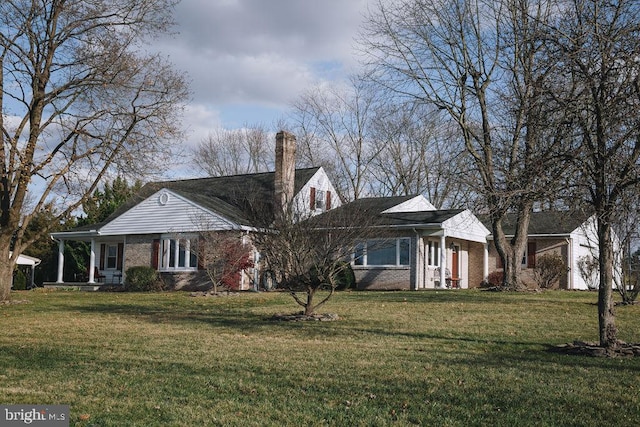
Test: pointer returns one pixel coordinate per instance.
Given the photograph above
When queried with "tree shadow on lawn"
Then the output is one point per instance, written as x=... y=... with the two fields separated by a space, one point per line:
x=239 y=319
x=215 y=315
x=504 y=353
x=243 y=320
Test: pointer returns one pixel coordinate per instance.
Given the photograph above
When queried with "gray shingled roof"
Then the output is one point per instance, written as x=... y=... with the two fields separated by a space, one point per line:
x=373 y=207
x=547 y=222
x=422 y=217
x=236 y=197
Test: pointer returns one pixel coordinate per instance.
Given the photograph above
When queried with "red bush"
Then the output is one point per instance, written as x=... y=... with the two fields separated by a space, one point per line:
x=495 y=278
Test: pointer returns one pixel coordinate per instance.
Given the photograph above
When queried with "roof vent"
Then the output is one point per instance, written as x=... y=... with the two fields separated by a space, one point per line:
x=163 y=199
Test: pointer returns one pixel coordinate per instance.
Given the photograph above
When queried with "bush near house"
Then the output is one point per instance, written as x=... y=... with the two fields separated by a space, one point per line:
x=345 y=279
x=549 y=269
x=495 y=278
x=19 y=280
x=143 y=279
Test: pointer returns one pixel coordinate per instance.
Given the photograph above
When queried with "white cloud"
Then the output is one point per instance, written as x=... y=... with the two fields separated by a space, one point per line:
x=199 y=121
x=247 y=60
x=262 y=52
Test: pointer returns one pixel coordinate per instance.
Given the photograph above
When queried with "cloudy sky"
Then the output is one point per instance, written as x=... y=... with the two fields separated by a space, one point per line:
x=248 y=59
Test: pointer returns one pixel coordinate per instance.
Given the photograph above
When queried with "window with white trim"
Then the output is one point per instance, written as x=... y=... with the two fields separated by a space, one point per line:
x=383 y=252
x=111 y=257
x=320 y=199
x=176 y=255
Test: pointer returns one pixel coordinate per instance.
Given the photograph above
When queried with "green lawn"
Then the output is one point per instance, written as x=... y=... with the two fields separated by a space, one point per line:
x=436 y=358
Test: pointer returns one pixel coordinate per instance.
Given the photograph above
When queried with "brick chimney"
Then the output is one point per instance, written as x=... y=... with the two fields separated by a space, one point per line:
x=285 y=168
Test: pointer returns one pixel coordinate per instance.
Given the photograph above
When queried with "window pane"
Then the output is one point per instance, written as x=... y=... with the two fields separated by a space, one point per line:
x=381 y=252
x=320 y=199
x=193 y=260
x=405 y=245
x=112 y=255
x=182 y=252
x=164 y=253
x=433 y=255
x=172 y=253
x=358 y=255
x=193 y=253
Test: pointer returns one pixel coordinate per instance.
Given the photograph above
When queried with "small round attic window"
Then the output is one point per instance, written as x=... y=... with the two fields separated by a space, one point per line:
x=163 y=199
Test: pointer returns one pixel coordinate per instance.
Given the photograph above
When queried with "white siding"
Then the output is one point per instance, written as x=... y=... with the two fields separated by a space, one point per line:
x=319 y=181
x=417 y=204
x=466 y=226
x=584 y=242
x=166 y=212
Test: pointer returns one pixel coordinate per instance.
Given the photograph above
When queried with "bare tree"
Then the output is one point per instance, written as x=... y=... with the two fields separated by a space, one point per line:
x=481 y=62
x=549 y=269
x=627 y=281
x=419 y=154
x=588 y=269
x=79 y=97
x=598 y=44
x=308 y=255
x=334 y=131
x=232 y=152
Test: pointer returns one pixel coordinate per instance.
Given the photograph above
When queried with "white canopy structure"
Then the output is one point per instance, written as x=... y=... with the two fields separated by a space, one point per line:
x=31 y=262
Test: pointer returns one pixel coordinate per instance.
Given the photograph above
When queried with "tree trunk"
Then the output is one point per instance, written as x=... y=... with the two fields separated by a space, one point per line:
x=309 y=308
x=606 y=318
x=6 y=276
x=512 y=270
x=512 y=250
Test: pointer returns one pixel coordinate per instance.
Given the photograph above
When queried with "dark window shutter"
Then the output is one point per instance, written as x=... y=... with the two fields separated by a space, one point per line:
x=312 y=196
x=103 y=255
x=155 y=253
x=120 y=256
x=328 y=204
x=531 y=254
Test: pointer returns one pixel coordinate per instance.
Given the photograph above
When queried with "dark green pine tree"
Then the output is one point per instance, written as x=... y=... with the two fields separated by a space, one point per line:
x=105 y=201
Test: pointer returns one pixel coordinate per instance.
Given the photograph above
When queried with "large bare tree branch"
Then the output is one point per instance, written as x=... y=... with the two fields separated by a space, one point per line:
x=80 y=99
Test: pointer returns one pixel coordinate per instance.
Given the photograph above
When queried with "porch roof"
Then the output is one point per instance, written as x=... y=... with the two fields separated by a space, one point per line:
x=27 y=260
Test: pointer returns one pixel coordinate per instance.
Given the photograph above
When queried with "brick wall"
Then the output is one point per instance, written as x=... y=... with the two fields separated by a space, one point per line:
x=380 y=278
x=138 y=251
x=187 y=281
x=475 y=252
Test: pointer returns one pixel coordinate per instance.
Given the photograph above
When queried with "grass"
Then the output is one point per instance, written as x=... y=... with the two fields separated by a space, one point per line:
x=445 y=358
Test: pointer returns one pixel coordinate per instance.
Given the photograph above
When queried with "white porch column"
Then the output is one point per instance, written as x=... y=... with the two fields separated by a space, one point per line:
x=570 y=262
x=92 y=262
x=443 y=261
x=60 y=261
x=419 y=265
x=485 y=262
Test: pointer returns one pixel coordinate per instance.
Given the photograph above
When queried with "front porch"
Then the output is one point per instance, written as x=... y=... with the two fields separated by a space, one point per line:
x=105 y=263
